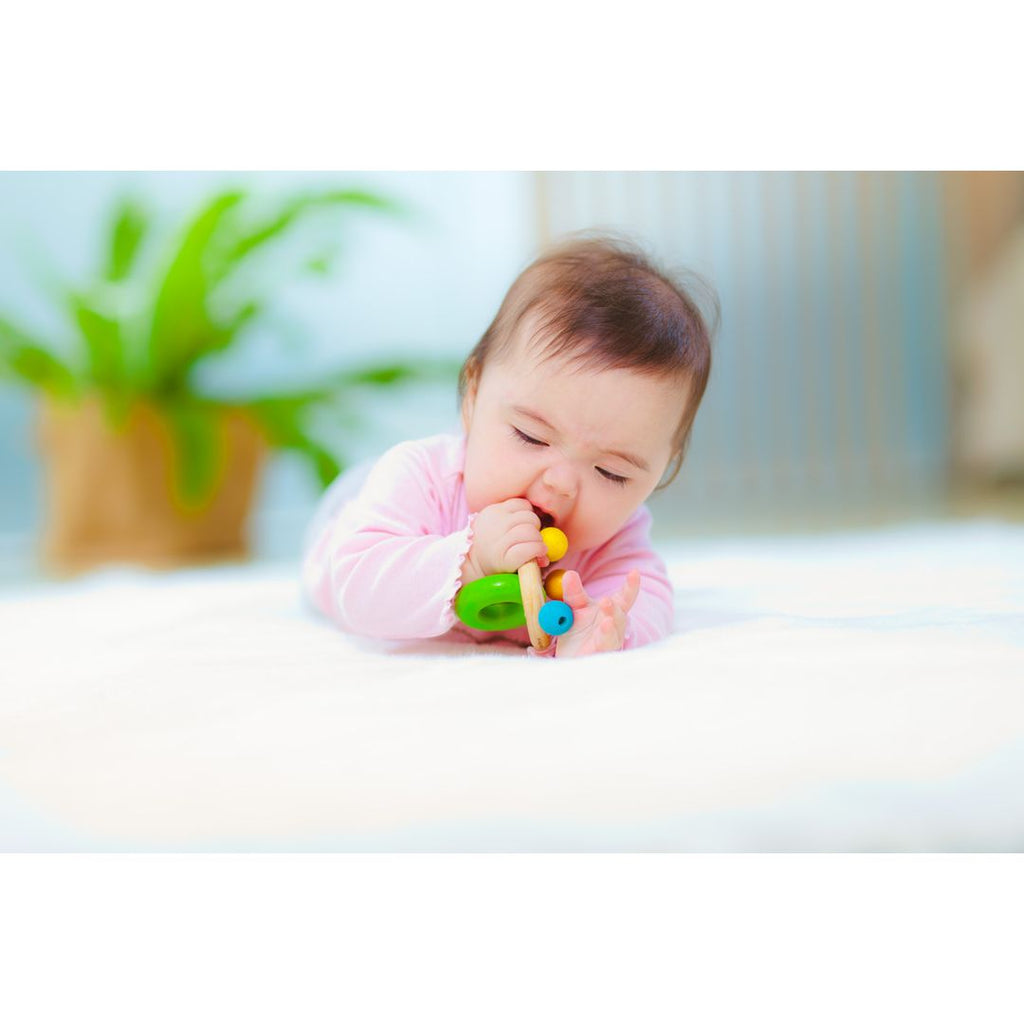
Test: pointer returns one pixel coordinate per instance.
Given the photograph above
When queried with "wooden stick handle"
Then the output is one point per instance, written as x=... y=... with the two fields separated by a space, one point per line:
x=532 y=590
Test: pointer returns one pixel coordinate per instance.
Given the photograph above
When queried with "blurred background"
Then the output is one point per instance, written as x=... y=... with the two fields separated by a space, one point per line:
x=869 y=366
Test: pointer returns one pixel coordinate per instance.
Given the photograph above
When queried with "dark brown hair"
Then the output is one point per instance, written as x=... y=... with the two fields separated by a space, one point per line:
x=601 y=303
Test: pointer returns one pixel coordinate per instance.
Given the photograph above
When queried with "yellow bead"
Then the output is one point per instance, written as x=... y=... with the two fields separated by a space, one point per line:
x=553 y=585
x=556 y=541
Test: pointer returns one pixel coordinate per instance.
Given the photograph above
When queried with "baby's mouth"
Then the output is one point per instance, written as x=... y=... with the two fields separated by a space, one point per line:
x=546 y=518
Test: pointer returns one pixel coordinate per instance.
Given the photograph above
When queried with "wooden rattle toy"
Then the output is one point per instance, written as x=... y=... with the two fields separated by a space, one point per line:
x=507 y=600
x=534 y=596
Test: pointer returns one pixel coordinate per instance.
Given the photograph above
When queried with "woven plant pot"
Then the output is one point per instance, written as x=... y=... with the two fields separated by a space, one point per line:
x=112 y=493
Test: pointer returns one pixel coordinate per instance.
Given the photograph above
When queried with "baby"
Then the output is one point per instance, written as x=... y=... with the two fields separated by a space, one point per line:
x=576 y=404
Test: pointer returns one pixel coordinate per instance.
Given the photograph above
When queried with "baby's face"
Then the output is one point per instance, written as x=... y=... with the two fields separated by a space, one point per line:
x=585 y=447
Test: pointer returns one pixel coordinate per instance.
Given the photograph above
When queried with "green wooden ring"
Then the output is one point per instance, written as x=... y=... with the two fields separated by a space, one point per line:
x=493 y=602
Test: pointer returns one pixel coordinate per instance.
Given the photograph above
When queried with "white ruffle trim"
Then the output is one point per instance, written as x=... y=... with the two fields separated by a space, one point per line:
x=454 y=582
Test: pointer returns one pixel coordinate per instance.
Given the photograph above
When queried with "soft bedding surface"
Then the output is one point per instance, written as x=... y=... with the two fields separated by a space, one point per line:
x=859 y=691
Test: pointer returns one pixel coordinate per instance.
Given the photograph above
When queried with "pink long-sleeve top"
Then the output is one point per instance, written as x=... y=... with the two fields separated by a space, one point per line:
x=386 y=562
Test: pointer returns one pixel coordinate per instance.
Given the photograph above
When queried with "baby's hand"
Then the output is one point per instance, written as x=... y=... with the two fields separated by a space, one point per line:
x=597 y=625
x=505 y=536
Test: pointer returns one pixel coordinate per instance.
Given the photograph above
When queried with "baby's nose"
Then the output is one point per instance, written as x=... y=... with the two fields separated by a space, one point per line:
x=561 y=479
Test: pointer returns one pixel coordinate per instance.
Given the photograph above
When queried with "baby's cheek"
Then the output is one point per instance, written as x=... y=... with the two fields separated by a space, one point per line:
x=605 y=514
x=593 y=532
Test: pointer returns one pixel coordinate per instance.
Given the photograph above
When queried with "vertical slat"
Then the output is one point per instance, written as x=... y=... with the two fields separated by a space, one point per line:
x=835 y=341
x=685 y=244
x=871 y=340
x=914 y=298
x=850 y=333
x=809 y=338
x=936 y=320
x=754 y=342
x=891 y=286
x=543 y=202
x=721 y=394
x=790 y=437
x=830 y=387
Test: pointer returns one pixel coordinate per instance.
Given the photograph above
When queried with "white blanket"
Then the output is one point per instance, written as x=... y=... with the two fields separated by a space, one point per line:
x=842 y=692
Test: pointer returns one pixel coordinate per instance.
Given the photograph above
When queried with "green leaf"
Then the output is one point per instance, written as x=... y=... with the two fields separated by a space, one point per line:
x=326 y=466
x=335 y=386
x=104 y=349
x=182 y=328
x=28 y=360
x=198 y=447
x=129 y=229
x=245 y=315
x=273 y=227
x=392 y=373
x=377 y=376
x=283 y=421
x=285 y=416
x=321 y=266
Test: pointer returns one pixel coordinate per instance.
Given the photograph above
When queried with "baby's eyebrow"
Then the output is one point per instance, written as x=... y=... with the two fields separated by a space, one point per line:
x=629 y=457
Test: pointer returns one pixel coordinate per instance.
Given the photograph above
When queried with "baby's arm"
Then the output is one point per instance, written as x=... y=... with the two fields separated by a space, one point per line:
x=385 y=567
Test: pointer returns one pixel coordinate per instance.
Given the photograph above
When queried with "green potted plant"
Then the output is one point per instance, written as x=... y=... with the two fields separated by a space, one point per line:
x=143 y=462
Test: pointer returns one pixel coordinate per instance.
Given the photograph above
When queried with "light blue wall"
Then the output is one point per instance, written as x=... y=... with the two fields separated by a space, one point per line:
x=428 y=283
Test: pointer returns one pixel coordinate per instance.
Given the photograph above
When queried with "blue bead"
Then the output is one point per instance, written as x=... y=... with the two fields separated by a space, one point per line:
x=555 y=618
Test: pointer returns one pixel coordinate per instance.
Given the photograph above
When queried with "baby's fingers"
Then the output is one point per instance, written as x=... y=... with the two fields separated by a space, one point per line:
x=627 y=594
x=611 y=628
x=607 y=635
x=518 y=554
x=573 y=593
x=523 y=543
